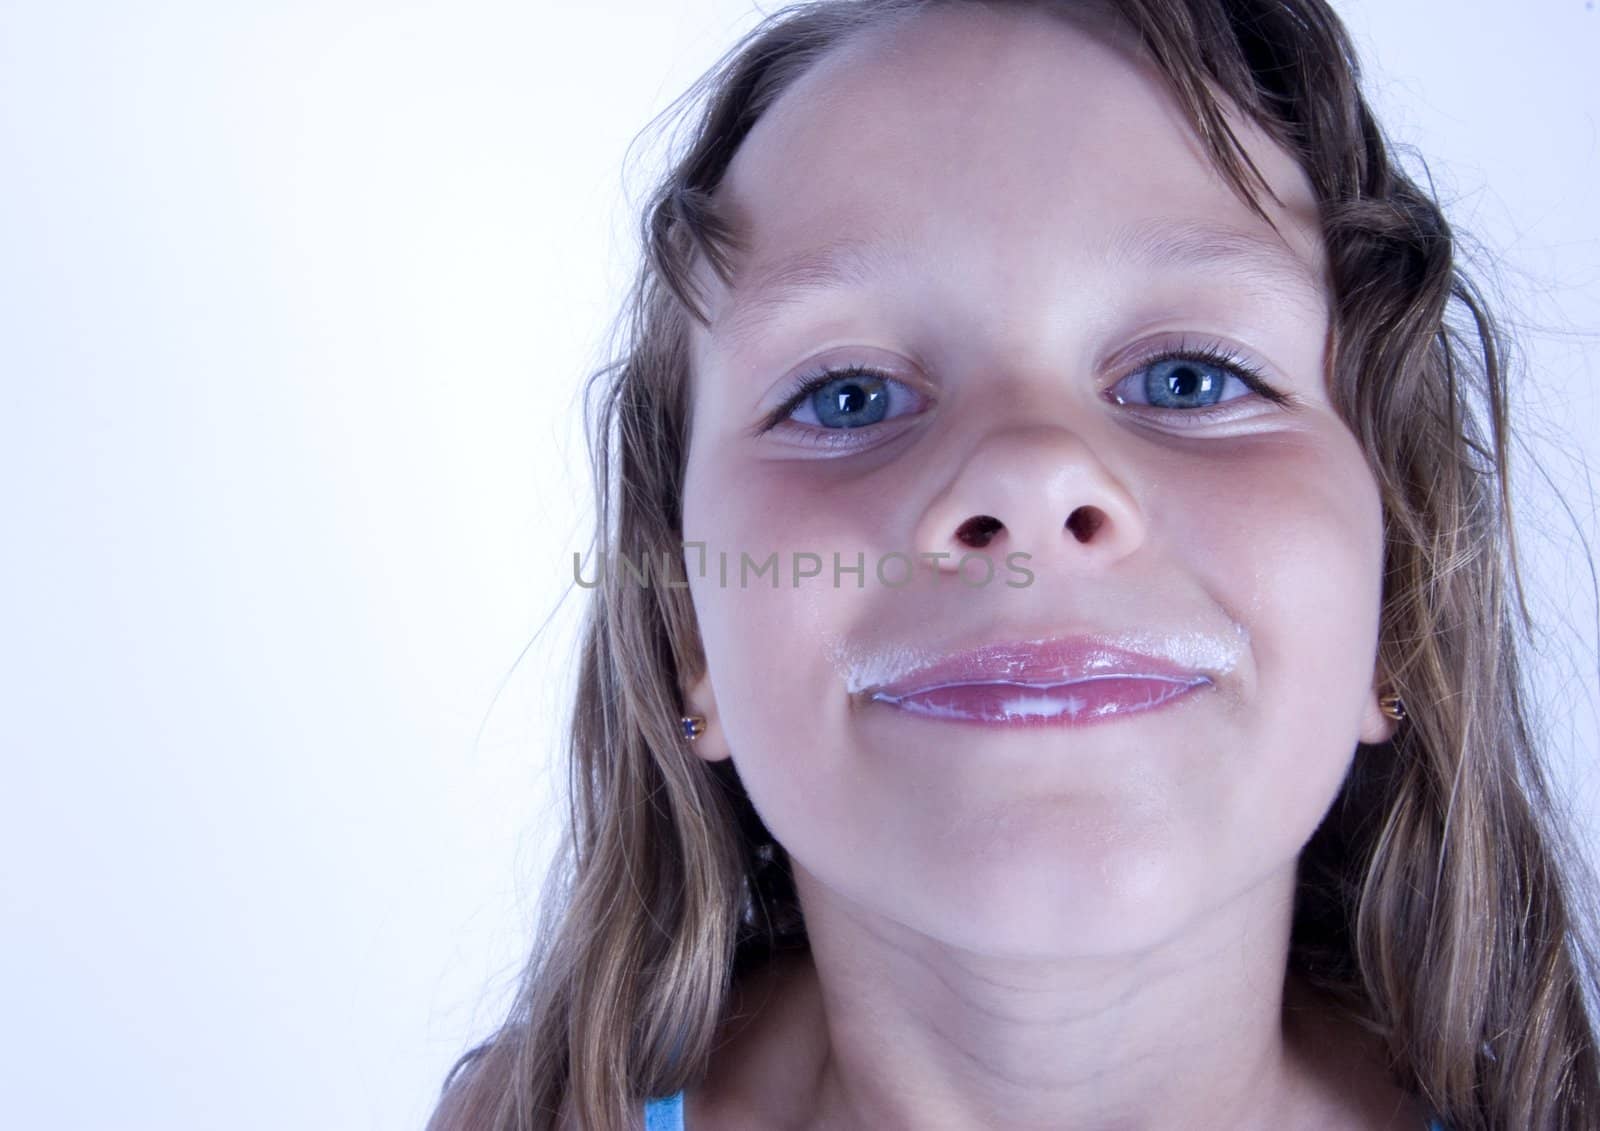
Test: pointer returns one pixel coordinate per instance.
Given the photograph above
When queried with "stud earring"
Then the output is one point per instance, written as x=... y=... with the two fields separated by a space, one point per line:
x=1391 y=706
x=693 y=726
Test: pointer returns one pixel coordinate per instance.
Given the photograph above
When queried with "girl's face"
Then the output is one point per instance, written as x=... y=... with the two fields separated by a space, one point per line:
x=997 y=189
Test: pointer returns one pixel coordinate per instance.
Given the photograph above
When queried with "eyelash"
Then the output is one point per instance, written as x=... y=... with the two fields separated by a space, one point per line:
x=1211 y=353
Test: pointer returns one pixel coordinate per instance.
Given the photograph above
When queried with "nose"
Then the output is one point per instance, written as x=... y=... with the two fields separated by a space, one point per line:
x=1039 y=489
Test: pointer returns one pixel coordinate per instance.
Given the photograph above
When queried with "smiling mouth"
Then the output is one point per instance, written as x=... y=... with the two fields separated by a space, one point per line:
x=1072 y=703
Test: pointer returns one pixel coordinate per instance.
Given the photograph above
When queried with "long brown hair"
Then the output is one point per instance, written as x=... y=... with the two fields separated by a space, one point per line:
x=1443 y=904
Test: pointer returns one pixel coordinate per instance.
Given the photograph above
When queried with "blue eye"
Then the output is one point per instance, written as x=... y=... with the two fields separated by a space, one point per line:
x=1191 y=381
x=852 y=396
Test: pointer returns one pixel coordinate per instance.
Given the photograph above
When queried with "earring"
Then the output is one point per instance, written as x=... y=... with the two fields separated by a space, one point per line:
x=693 y=726
x=1391 y=706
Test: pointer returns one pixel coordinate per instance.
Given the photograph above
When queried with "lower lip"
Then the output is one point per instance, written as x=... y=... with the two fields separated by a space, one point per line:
x=1067 y=704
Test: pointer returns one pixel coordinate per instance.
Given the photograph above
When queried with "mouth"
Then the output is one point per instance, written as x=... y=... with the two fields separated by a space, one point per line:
x=1062 y=704
x=1067 y=681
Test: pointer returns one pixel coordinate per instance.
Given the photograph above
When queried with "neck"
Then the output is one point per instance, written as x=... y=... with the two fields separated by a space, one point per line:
x=873 y=1029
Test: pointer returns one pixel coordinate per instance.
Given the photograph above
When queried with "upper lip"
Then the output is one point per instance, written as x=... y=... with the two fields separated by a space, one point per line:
x=1056 y=660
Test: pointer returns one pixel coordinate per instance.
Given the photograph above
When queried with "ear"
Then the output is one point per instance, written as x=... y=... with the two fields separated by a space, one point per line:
x=1375 y=725
x=700 y=699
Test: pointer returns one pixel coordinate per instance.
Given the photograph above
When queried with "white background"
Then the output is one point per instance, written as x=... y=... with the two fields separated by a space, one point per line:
x=294 y=303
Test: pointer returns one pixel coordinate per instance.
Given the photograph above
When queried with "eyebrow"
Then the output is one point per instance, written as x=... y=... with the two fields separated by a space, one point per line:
x=1267 y=266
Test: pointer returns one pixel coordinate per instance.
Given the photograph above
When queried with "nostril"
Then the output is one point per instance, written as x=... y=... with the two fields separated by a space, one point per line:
x=1084 y=521
x=979 y=530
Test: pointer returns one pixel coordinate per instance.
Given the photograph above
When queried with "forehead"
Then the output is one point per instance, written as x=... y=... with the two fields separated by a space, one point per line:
x=1000 y=143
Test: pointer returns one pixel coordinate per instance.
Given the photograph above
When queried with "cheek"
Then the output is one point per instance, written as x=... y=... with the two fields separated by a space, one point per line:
x=1295 y=554
x=1315 y=579
x=1285 y=531
x=780 y=701
x=767 y=637
x=764 y=636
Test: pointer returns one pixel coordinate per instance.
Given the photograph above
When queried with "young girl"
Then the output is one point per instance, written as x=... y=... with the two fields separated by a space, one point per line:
x=1085 y=693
